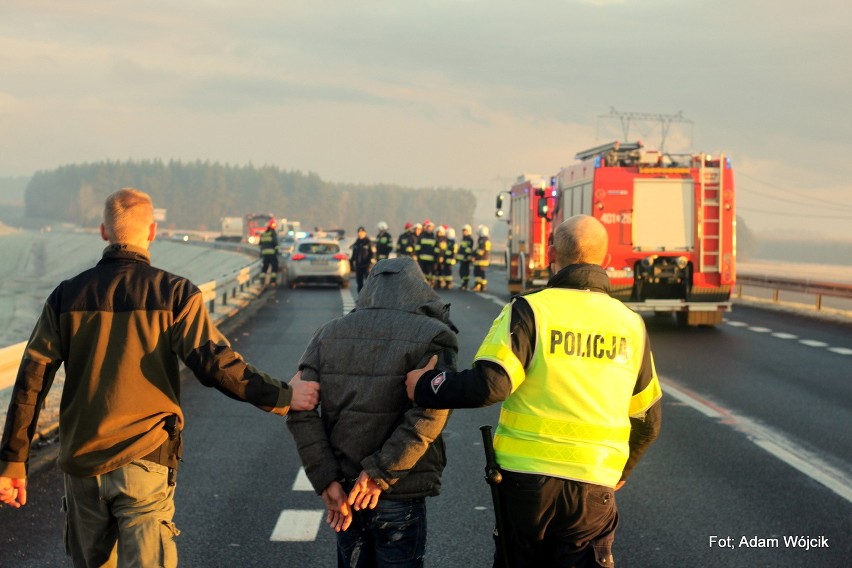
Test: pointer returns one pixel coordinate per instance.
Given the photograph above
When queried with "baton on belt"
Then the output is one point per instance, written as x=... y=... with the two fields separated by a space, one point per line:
x=494 y=477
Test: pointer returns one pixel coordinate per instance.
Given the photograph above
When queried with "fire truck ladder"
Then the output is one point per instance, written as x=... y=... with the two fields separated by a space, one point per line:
x=710 y=227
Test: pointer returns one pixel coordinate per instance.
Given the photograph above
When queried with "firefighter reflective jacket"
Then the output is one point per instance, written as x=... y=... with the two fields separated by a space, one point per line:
x=465 y=252
x=269 y=242
x=482 y=252
x=426 y=246
x=569 y=412
x=384 y=245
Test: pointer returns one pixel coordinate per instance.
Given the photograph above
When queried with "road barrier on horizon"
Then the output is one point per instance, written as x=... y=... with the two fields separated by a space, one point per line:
x=218 y=294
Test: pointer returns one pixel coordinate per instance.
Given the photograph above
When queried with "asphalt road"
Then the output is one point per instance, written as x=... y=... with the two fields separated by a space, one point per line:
x=754 y=449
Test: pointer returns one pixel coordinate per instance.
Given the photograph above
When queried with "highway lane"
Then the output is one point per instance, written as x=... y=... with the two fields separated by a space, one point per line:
x=707 y=475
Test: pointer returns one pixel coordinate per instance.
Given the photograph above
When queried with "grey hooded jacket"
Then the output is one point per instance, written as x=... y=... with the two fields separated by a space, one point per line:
x=365 y=420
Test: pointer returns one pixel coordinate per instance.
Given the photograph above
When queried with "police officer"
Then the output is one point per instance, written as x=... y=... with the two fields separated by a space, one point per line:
x=269 y=252
x=384 y=241
x=465 y=256
x=481 y=259
x=581 y=405
x=425 y=251
x=405 y=242
x=362 y=256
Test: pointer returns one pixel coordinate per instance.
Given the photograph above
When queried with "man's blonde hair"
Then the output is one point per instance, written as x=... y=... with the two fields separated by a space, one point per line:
x=581 y=239
x=128 y=215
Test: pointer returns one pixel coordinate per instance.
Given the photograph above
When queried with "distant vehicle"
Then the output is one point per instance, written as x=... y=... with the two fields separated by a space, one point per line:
x=232 y=229
x=317 y=261
x=255 y=224
x=286 y=244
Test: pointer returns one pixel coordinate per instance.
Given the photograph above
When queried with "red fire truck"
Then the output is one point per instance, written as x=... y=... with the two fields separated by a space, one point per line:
x=254 y=226
x=530 y=223
x=671 y=223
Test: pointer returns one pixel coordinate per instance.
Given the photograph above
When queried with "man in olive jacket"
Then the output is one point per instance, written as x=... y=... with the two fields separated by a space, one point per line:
x=367 y=438
x=121 y=328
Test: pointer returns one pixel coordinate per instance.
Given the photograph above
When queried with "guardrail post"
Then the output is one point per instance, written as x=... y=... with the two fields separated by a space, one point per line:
x=819 y=302
x=776 y=294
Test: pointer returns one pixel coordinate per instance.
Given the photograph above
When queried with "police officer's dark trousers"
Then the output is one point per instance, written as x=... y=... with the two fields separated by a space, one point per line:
x=551 y=521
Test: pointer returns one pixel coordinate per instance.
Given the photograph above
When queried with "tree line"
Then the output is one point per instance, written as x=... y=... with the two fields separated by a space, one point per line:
x=198 y=194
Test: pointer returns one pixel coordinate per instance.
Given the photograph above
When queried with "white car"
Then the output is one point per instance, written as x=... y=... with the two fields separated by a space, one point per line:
x=317 y=261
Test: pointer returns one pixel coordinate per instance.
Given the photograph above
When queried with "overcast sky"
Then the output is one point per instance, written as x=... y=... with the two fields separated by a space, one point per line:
x=462 y=93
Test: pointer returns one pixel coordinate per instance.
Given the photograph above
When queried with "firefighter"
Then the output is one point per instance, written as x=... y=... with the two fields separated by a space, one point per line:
x=405 y=242
x=481 y=259
x=425 y=250
x=465 y=256
x=269 y=252
x=384 y=241
x=449 y=258
x=441 y=245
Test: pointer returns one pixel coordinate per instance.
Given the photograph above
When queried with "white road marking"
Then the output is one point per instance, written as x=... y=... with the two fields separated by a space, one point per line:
x=499 y=301
x=784 y=335
x=297 y=526
x=348 y=300
x=302 y=482
x=769 y=440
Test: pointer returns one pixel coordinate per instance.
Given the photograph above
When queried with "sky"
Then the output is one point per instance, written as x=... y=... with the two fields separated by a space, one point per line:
x=438 y=93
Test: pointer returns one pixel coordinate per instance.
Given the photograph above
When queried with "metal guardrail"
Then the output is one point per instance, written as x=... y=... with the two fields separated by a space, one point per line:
x=777 y=284
x=216 y=293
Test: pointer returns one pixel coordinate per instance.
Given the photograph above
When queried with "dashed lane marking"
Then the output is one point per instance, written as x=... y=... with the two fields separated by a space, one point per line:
x=302 y=482
x=297 y=526
x=769 y=440
x=784 y=335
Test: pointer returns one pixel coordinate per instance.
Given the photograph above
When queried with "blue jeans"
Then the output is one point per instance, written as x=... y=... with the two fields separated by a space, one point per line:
x=392 y=534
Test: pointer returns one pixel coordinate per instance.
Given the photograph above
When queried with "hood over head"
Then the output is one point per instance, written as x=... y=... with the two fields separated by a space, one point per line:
x=399 y=284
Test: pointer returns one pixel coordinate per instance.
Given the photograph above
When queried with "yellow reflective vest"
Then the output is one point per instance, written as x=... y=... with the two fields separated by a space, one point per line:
x=569 y=412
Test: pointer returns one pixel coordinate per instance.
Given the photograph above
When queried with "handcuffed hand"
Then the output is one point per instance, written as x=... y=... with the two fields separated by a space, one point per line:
x=13 y=491
x=339 y=514
x=365 y=494
x=411 y=377
x=305 y=393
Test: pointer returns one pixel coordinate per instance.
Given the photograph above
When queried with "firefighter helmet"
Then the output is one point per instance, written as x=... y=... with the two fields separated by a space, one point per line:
x=451 y=234
x=272 y=224
x=483 y=231
x=418 y=226
x=427 y=224
x=382 y=226
x=441 y=230
x=467 y=228
x=408 y=225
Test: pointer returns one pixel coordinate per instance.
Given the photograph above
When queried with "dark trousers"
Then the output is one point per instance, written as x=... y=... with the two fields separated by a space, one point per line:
x=392 y=534
x=361 y=272
x=550 y=521
x=270 y=262
x=464 y=273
